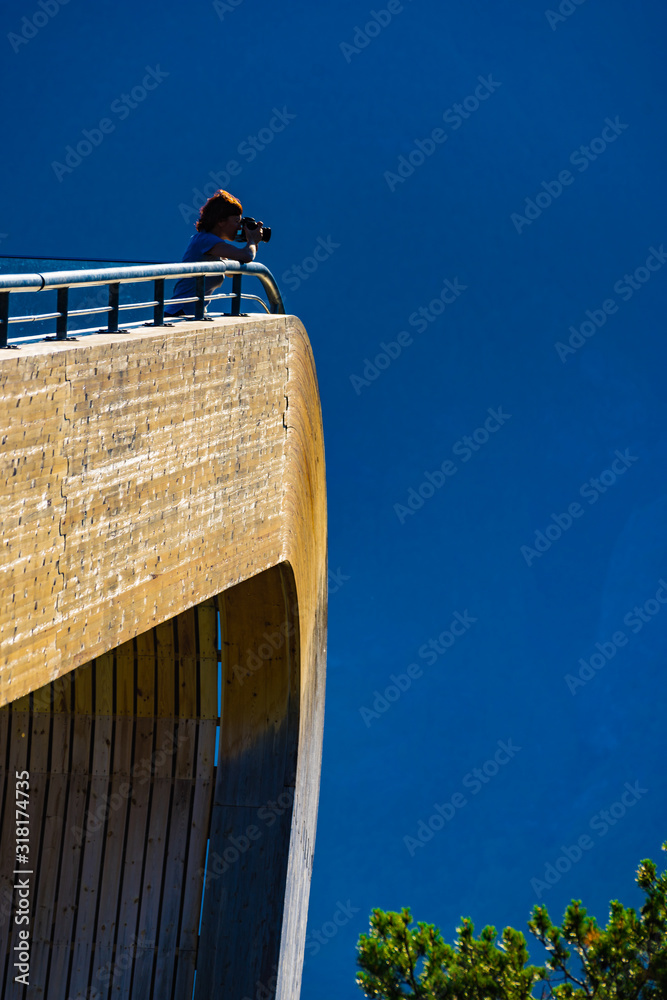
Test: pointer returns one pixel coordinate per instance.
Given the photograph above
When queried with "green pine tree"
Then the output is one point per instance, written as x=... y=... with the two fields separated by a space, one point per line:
x=626 y=960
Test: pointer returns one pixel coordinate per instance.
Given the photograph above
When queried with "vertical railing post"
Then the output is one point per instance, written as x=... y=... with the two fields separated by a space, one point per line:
x=200 y=304
x=4 y=318
x=236 y=292
x=62 y=307
x=158 y=295
x=114 y=293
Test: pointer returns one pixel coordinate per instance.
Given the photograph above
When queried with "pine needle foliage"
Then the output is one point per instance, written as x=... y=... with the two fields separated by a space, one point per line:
x=626 y=960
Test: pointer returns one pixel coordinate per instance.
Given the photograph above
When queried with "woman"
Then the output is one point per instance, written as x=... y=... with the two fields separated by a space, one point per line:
x=218 y=223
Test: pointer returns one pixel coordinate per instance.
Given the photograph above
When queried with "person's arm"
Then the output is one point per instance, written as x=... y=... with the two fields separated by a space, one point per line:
x=227 y=251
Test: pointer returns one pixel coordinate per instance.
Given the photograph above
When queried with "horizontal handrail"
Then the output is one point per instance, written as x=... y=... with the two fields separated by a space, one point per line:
x=114 y=277
x=82 y=260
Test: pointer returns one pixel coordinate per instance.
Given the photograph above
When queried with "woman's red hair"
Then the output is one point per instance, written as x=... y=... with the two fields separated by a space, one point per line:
x=219 y=206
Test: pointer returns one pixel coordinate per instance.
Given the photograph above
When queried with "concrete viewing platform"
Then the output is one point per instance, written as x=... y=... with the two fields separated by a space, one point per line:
x=162 y=656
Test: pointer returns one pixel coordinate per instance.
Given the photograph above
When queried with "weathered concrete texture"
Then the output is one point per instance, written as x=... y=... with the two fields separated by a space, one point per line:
x=146 y=473
x=143 y=474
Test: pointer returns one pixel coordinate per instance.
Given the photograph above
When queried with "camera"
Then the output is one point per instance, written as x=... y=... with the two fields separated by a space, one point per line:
x=250 y=223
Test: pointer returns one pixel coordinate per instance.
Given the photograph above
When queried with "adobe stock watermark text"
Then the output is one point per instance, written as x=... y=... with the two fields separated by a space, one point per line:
x=634 y=620
x=454 y=116
x=581 y=158
x=464 y=449
x=474 y=781
x=625 y=288
x=249 y=149
x=122 y=107
x=363 y=36
x=30 y=26
x=591 y=491
x=430 y=651
x=601 y=823
x=419 y=320
x=566 y=8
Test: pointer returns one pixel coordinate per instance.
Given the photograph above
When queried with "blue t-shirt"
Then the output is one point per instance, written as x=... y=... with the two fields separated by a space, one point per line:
x=196 y=250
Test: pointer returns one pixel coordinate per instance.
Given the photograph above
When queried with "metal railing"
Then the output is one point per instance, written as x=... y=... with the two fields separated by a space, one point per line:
x=115 y=277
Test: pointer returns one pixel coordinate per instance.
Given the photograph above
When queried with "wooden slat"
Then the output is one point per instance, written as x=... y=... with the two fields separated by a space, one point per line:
x=166 y=662
x=148 y=868
x=63 y=694
x=175 y=749
x=193 y=882
x=55 y=832
x=239 y=920
x=151 y=889
x=242 y=907
x=253 y=738
x=92 y=867
x=125 y=679
x=74 y=830
x=113 y=858
x=123 y=743
x=178 y=846
x=157 y=775
x=187 y=670
x=173 y=885
x=190 y=819
x=130 y=894
x=185 y=973
x=101 y=808
x=104 y=683
x=83 y=690
x=128 y=876
x=41 y=699
x=207 y=627
x=145 y=645
x=144 y=762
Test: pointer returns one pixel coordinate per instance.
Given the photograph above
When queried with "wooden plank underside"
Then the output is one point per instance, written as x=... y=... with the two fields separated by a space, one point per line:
x=190 y=823
x=126 y=796
x=252 y=807
x=121 y=760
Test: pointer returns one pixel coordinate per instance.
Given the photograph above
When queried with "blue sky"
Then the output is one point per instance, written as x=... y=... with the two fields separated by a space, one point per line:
x=541 y=201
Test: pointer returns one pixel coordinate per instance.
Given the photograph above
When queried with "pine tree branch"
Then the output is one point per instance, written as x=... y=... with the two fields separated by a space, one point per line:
x=411 y=967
